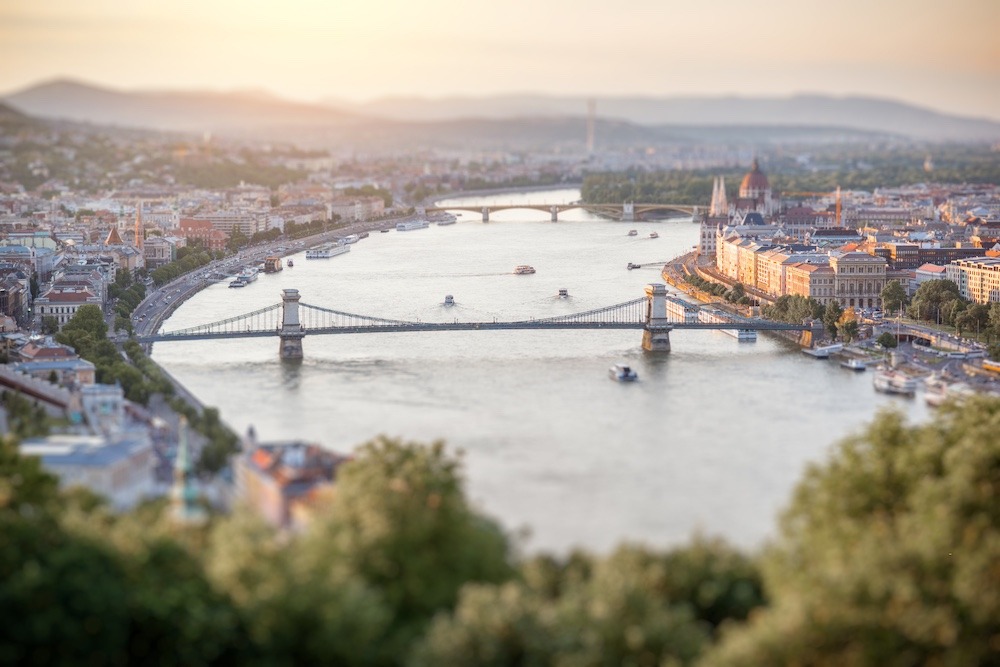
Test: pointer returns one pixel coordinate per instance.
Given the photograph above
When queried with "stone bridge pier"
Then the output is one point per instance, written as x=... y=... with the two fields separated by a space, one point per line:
x=291 y=333
x=628 y=211
x=486 y=214
x=555 y=213
x=656 y=335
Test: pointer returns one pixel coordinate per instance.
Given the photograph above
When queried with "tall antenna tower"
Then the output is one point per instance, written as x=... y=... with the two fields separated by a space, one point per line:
x=591 y=117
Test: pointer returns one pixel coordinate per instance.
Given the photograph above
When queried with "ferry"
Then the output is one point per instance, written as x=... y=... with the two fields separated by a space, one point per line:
x=654 y=235
x=327 y=250
x=449 y=300
x=622 y=373
x=524 y=270
x=633 y=232
x=889 y=381
x=411 y=225
x=272 y=265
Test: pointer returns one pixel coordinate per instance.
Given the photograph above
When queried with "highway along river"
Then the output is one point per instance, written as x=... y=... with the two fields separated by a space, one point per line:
x=712 y=437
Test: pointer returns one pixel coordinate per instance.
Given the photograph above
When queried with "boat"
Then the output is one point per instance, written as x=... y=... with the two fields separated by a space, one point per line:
x=444 y=219
x=524 y=270
x=854 y=364
x=563 y=293
x=272 y=265
x=248 y=275
x=939 y=390
x=327 y=250
x=622 y=373
x=238 y=282
x=384 y=231
x=823 y=351
x=410 y=225
x=353 y=238
x=634 y=266
x=889 y=381
x=654 y=235
x=449 y=300
x=363 y=235
x=713 y=316
x=633 y=232
x=290 y=263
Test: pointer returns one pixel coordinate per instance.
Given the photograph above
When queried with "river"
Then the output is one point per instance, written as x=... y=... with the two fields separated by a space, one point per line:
x=712 y=437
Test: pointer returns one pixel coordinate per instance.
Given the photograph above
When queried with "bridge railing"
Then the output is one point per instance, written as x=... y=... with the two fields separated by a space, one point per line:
x=318 y=317
x=628 y=311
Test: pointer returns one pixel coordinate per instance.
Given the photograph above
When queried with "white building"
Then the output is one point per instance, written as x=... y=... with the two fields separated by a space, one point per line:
x=978 y=279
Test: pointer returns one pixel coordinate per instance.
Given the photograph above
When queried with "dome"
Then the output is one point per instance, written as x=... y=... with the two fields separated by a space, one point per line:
x=754 y=180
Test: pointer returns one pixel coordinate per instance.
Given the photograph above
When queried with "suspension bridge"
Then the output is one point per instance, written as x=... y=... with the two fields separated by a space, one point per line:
x=291 y=321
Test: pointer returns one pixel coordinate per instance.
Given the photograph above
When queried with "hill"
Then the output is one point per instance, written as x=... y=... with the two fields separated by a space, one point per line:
x=867 y=114
x=175 y=111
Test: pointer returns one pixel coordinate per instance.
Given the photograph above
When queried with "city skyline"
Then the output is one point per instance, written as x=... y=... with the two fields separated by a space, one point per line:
x=921 y=51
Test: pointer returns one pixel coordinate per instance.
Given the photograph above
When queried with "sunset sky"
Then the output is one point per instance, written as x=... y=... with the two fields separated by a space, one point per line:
x=940 y=54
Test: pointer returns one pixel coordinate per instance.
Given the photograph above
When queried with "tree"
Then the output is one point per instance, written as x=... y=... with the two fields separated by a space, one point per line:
x=831 y=315
x=50 y=324
x=893 y=296
x=888 y=552
x=931 y=296
x=886 y=340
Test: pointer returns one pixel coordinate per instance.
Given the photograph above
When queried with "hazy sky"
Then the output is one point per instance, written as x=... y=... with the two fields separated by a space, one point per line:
x=944 y=54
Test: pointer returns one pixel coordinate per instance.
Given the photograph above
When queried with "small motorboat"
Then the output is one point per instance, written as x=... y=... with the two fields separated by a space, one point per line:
x=634 y=266
x=654 y=235
x=633 y=232
x=449 y=300
x=290 y=263
x=622 y=373
x=563 y=293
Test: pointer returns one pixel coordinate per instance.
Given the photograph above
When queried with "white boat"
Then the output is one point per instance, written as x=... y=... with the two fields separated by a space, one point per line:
x=563 y=293
x=327 y=250
x=238 y=282
x=353 y=238
x=449 y=300
x=622 y=373
x=633 y=232
x=248 y=275
x=889 y=381
x=823 y=351
x=654 y=235
x=524 y=270
x=938 y=390
x=410 y=225
x=854 y=364
x=444 y=219
x=713 y=316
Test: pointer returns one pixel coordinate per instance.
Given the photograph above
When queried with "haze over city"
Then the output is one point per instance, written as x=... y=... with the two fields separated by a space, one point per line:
x=939 y=55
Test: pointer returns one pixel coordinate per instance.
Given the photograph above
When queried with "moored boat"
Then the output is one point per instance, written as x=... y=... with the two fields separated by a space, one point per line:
x=889 y=381
x=823 y=351
x=622 y=373
x=327 y=250
x=410 y=225
x=248 y=275
x=854 y=364
x=238 y=282
x=272 y=265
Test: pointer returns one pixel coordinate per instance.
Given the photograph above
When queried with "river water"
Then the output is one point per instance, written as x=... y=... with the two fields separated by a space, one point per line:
x=712 y=437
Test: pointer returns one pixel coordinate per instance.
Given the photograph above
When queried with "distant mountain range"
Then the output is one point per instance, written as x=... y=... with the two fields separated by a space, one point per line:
x=500 y=120
x=859 y=113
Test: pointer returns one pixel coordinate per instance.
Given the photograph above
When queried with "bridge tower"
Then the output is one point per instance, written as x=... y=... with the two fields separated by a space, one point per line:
x=555 y=213
x=656 y=335
x=291 y=333
x=628 y=211
x=486 y=214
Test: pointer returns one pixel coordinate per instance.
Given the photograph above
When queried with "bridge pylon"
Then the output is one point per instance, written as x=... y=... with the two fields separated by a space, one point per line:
x=555 y=213
x=486 y=214
x=291 y=333
x=656 y=334
x=628 y=211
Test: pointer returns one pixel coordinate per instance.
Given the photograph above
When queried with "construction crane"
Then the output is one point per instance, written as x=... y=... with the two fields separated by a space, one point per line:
x=835 y=193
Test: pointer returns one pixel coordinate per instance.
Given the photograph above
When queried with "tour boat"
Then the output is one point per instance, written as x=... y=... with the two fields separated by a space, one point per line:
x=524 y=270
x=654 y=235
x=854 y=364
x=889 y=381
x=411 y=225
x=327 y=250
x=249 y=274
x=449 y=300
x=633 y=232
x=622 y=373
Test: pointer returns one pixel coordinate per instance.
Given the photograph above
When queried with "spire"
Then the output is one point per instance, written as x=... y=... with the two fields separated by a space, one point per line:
x=114 y=238
x=723 y=202
x=183 y=495
x=712 y=208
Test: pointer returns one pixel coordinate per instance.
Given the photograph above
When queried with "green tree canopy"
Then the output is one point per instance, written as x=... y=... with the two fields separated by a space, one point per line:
x=893 y=296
